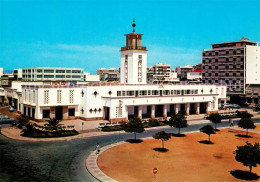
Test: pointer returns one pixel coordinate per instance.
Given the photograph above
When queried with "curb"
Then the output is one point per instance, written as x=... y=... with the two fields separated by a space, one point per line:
x=95 y=171
x=92 y=167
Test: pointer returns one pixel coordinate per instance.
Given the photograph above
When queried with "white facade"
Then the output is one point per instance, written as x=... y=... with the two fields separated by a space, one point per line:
x=1 y=72
x=118 y=102
x=252 y=64
x=133 y=66
x=91 y=78
x=194 y=75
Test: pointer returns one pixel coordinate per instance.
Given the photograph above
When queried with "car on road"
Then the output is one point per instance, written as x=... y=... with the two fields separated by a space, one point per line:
x=235 y=106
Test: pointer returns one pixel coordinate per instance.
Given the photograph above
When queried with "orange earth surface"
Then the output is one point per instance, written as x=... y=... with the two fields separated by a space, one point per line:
x=257 y=128
x=186 y=160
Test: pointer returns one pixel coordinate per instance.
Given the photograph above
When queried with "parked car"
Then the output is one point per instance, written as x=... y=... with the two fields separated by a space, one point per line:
x=11 y=109
x=235 y=106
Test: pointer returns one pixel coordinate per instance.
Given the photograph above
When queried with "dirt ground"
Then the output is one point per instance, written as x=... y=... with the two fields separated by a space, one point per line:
x=186 y=160
x=257 y=128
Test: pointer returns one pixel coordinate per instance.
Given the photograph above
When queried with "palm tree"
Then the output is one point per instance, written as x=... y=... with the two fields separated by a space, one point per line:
x=53 y=124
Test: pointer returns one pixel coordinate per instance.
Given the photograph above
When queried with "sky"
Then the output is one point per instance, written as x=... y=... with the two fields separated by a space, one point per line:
x=89 y=34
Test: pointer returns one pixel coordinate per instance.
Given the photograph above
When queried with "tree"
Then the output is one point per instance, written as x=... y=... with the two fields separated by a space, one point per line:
x=246 y=123
x=248 y=155
x=215 y=118
x=178 y=121
x=163 y=136
x=244 y=114
x=207 y=129
x=134 y=126
x=53 y=124
x=22 y=121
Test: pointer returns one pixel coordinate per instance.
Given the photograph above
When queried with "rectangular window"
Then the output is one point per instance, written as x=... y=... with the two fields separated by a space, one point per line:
x=139 y=56
x=46 y=96
x=58 y=96
x=71 y=111
x=46 y=114
x=119 y=93
x=71 y=96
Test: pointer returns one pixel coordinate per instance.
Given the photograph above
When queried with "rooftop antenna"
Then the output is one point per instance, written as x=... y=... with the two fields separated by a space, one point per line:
x=133 y=25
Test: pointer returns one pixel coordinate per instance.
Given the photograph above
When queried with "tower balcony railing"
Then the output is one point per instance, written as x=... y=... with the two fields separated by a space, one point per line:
x=133 y=48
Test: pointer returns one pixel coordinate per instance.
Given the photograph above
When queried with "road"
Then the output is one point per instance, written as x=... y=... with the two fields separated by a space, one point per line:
x=59 y=161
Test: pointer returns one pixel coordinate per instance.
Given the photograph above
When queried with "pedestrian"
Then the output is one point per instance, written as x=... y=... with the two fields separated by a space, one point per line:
x=97 y=148
x=231 y=123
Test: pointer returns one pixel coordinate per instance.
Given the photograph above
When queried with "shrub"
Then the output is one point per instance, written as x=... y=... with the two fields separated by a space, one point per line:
x=153 y=122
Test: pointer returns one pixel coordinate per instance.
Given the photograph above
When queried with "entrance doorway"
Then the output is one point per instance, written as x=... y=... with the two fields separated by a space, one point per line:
x=203 y=108
x=171 y=113
x=59 y=113
x=159 y=111
x=107 y=113
x=182 y=111
x=192 y=108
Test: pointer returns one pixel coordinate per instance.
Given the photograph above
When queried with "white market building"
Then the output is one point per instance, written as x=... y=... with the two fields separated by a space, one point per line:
x=118 y=102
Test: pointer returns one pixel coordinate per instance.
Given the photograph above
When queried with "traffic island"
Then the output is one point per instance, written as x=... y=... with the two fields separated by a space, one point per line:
x=185 y=160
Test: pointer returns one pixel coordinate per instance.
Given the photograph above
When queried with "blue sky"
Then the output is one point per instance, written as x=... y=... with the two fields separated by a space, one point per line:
x=89 y=34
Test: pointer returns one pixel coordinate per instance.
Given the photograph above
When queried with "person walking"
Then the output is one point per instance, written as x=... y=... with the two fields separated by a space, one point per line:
x=231 y=123
x=97 y=148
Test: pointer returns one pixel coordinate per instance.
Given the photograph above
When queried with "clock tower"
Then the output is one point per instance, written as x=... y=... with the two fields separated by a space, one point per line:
x=133 y=59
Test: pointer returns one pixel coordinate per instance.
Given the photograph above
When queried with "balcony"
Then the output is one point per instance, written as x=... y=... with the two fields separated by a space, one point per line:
x=133 y=48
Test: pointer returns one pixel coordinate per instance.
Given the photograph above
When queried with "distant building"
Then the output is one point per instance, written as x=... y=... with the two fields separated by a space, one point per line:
x=161 y=73
x=236 y=64
x=18 y=74
x=195 y=75
x=1 y=72
x=6 y=80
x=91 y=78
x=183 y=70
x=52 y=74
x=108 y=74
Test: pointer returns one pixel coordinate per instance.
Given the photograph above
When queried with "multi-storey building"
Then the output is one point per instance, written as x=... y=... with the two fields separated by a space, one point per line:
x=1 y=72
x=108 y=74
x=183 y=70
x=52 y=74
x=195 y=75
x=18 y=74
x=161 y=73
x=236 y=64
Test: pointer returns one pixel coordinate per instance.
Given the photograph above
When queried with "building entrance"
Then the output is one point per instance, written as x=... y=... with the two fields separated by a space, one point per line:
x=203 y=108
x=59 y=113
x=106 y=109
x=159 y=111
x=192 y=109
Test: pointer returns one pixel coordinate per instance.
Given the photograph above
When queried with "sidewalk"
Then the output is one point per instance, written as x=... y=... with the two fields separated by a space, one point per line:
x=14 y=133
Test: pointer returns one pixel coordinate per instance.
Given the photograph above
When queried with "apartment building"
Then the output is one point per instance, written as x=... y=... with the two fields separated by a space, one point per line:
x=18 y=74
x=108 y=74
x=161 y=73
x=52 y=74
x=183 y=70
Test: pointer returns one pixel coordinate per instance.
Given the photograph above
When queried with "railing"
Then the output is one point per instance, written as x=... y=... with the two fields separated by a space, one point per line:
x=133 y=48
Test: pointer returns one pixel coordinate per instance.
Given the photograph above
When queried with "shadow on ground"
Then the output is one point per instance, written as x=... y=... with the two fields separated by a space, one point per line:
x=178 y=135
x=134 y=141
x=243 y=136
x=205 y=142
x=160 y=149
x=244 y=175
